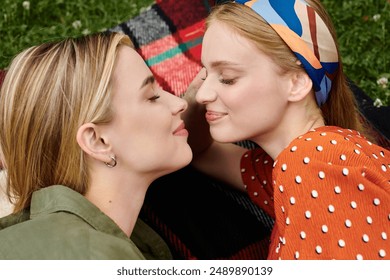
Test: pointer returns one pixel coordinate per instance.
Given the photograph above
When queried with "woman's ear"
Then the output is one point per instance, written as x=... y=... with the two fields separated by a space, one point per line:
x=92 y=142
x=301 y=86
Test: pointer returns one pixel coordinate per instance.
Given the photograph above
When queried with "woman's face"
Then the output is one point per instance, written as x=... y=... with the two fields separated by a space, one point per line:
x=147 y=133
x=244 y=91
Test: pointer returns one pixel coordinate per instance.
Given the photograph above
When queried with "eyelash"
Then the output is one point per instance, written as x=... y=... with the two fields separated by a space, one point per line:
x=227 y=81
x=223 y=81
x=203 y=79
x=154 y=98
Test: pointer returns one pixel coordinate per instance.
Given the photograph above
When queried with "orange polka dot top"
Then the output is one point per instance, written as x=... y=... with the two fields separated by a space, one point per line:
x=329 y=193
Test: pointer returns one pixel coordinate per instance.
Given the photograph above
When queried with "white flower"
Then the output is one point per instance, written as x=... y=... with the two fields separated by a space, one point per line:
x=378 y=103
x=376 y=17
x=26 y=5
x=382 y=81
x=76 y=24
x=86 y=31
x=144 y=9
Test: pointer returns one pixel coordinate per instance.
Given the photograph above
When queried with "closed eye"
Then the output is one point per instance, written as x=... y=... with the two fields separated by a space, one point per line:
x=154 y=97
x=227 y=81
x=205 y=76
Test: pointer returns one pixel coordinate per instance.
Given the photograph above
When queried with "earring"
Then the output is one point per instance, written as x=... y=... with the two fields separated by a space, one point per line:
x=113 y=164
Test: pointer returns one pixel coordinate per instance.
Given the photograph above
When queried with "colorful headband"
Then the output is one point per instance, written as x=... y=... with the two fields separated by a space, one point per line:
x=300 y=27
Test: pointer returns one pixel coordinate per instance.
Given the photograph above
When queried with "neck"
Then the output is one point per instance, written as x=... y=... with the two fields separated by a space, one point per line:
x=119 y=197
x=296 y=121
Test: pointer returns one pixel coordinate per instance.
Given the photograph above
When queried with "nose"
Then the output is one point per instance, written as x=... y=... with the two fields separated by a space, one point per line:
x=178 y=105
x=205 y=93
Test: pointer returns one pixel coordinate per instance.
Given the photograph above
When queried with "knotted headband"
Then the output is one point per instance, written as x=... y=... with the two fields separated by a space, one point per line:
x=303 y=30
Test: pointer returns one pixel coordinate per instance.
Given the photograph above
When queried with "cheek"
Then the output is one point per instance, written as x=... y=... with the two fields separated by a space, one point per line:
x=153 y=130
x=149 y=119
x=240 y=98
x=253 y=102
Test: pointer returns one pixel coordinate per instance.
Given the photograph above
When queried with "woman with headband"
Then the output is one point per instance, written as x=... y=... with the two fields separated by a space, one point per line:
x=273 y=75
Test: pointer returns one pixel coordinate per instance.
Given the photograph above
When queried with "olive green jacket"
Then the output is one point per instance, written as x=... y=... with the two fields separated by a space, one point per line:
x=63 y=224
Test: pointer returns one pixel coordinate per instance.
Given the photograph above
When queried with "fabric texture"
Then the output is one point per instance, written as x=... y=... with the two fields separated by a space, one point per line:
x=329 y=192
x=169 y=36
x=299 y=26
x=63 y=224
x=201 y=218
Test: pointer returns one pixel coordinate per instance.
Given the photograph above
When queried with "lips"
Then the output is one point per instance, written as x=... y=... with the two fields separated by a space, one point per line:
x=181 y=130
x=212 y=116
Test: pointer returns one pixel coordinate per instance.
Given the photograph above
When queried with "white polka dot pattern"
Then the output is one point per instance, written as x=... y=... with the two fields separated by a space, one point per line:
x=332 y=196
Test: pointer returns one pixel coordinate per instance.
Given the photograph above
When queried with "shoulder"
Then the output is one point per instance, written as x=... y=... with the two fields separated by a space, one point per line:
x=330 y=145
x=331 y=155
x=332 y=175
x=63 y=236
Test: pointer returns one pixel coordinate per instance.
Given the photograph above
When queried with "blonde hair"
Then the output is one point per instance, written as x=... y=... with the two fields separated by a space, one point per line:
x=341 y=108
x=49 y=91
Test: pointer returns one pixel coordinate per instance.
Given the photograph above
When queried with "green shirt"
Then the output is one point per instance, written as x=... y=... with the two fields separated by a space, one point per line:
x=63 y=224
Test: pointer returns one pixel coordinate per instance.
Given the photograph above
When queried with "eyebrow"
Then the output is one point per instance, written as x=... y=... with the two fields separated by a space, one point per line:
x=148 y=80
x=223 y=63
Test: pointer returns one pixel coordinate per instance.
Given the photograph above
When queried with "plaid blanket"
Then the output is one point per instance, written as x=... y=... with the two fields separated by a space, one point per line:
x=169 y=36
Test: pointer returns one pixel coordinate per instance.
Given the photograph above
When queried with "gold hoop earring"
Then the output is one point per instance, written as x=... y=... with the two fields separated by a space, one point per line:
x=109 y=164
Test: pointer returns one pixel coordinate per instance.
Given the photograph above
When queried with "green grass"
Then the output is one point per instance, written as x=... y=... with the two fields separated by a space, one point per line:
x=46 y=20
x=363 y=33
x=362 y=27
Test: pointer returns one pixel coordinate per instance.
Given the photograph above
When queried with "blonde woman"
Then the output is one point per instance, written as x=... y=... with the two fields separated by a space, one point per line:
x=273 y=75
x=84 y=130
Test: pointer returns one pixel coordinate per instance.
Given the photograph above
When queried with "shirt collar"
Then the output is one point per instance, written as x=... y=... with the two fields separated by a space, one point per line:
x=59 y=198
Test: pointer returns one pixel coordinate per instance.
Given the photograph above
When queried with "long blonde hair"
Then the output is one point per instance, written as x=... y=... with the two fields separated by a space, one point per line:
x=49 y=91
x=341 y=107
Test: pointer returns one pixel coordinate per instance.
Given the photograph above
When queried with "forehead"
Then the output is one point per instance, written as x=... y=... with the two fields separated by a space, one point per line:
x=223 y=43
x=130 y=59
x=130 y=69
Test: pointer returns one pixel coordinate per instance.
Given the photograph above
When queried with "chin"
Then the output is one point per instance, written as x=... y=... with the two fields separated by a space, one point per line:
x=186 y=156
x=223 y=137
x=180 y=160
